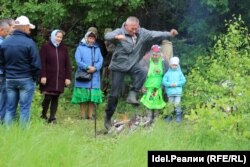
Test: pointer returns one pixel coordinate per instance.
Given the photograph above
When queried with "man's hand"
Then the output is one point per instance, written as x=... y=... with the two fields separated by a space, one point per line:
x=120 y=37
x=174 y=32
x=143 y=90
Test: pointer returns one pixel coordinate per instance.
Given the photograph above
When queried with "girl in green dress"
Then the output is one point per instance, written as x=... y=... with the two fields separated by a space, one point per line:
x=156 y=65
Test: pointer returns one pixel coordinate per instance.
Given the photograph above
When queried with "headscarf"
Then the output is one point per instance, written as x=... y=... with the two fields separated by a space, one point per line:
x=94 y=30
x=84 y=39
x=156 y=49
x=87 y=35
x=174 y=60
x=53 y=37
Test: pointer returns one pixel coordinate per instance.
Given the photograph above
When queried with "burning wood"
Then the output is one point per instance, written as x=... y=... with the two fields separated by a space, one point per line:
x=130 y=124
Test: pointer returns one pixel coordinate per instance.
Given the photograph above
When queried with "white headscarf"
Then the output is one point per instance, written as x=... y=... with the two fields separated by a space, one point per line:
x=53 y=37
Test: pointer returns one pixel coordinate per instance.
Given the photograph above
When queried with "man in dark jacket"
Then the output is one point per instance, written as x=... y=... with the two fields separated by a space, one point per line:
x=129 y=41
x=21 y=63
x=4 y=32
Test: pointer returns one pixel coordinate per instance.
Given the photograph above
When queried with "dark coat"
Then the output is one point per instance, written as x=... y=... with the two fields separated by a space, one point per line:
x=56 y=67
x=19 y=57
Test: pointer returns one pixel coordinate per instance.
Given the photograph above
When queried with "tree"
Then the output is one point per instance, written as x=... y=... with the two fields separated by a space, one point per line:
x=74 y=17
x=216 y=97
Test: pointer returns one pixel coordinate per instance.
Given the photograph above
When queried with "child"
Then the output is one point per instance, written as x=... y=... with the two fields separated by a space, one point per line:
x=173 y=82
x=155 y=65
x=88 y=57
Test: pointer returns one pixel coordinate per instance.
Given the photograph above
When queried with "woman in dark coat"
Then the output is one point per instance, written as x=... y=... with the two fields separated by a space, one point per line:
x=55 y=73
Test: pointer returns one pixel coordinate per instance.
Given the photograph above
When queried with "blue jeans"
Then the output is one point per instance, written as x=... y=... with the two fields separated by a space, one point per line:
x=2 y=97
x=19 y=90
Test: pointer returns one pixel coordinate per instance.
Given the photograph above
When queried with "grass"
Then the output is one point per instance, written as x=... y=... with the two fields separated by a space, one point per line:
x=71 y=142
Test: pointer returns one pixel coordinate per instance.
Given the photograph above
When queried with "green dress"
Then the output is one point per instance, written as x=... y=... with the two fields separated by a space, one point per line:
x=82 y=95
x=153 y=98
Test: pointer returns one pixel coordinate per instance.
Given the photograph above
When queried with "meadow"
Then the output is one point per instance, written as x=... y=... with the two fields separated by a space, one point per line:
x=72 y=142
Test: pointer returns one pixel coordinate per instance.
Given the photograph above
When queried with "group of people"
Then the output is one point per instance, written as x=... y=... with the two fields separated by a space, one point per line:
x=22 y=66
x=147 y=73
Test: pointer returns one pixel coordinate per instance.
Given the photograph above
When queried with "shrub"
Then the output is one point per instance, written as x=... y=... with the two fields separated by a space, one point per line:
x=217 y=91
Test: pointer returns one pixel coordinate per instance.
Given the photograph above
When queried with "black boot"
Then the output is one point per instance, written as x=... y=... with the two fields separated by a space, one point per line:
x=44 y=117
x=178 y=115
x=111 y=106
x=45 y=106
x=52 y=121
x=107 y=121
x=169 y=118
x=152 y=116
x=53 y=109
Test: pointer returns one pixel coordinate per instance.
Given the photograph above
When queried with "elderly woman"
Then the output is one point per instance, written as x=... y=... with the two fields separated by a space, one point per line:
x=89 y=58
x=55 y=73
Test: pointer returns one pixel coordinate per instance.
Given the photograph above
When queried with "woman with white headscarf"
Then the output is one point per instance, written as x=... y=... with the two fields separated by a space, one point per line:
x=55 y=73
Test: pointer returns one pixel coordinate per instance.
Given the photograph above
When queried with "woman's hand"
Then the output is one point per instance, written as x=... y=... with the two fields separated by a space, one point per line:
x=67 y=82
x=43 y=80
x=91 y=69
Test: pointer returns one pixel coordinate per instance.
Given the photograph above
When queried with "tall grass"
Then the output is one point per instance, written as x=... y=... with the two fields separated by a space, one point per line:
x=71 y=142
x=74 y=145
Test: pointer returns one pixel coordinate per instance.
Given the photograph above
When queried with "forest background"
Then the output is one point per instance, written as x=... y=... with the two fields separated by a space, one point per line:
x=197 y=21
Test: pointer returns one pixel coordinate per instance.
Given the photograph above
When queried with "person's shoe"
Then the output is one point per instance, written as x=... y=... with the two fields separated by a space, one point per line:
x=169 y=119
x=91 y=118
x=44 y=117
x=179 y=117
x=132 y=98
x=150 y=116
x=107 y=122
x=52 y=121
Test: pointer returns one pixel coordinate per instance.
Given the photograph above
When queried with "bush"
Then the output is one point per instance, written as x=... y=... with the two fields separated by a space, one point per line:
x=217 y=91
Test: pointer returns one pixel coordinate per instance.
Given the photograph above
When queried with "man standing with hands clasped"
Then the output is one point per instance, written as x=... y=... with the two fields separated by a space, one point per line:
x=129 y=41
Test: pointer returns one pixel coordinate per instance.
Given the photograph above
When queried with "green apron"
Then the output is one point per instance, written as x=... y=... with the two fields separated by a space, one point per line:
x=153 y=98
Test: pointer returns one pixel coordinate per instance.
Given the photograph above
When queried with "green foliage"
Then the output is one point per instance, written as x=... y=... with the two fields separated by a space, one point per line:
x=74 y=17
x=48 y=13
x=217 y=91
x=103 y=13
x=188 y=53
x=219 y=6
x=168 y=110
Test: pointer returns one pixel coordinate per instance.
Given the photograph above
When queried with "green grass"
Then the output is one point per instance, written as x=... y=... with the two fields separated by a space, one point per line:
x=71 y=142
